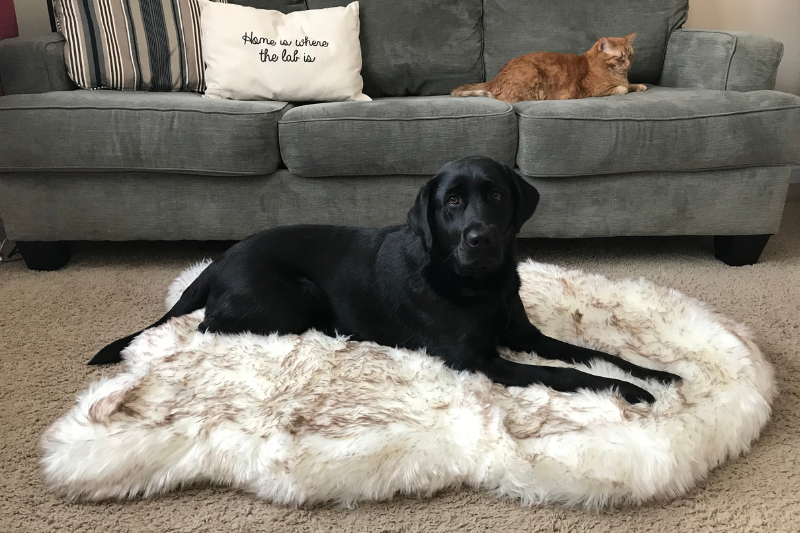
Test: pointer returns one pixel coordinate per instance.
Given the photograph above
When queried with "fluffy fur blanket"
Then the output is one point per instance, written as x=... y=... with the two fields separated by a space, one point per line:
x=309 y=418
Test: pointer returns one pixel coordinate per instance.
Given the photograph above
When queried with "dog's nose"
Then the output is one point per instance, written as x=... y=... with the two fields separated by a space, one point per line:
x=480 y=237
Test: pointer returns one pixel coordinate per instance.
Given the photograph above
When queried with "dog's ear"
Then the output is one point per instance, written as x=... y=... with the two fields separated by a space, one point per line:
x=525 y=196
x=419 y=216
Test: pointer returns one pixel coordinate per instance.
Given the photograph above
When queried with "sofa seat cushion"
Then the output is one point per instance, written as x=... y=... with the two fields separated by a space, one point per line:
x=402 y=135
x=124 y=131
x=665 y=130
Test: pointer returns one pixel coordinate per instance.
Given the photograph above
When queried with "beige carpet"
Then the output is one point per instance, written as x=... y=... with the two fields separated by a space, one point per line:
x=52 y=323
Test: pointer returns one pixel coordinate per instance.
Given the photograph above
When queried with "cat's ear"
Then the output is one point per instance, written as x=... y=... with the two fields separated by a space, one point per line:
x=630 y=37
x=605 y=46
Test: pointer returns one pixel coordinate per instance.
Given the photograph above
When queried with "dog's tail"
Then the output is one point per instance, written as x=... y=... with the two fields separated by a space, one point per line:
x=472 y=89
x=192 y=299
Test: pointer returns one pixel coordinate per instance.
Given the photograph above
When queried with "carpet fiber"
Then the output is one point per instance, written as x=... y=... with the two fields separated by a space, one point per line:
x=51 y=323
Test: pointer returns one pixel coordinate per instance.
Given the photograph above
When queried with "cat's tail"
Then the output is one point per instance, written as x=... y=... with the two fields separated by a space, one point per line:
x=472 y=89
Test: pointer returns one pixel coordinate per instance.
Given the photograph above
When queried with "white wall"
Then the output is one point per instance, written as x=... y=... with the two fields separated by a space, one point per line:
x=32 y=17
x=779 y=19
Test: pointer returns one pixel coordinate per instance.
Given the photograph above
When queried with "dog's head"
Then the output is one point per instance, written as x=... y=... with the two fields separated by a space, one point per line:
x=469 y=214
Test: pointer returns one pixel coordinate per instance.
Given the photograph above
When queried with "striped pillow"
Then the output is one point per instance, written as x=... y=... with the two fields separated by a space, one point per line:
x=133 y=45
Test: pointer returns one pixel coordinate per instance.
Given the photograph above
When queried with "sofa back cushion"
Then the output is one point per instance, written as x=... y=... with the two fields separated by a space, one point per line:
x=516 y=27
x=417 y=48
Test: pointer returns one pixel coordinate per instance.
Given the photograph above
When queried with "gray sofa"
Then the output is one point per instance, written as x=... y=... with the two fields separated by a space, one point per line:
x=707 y=150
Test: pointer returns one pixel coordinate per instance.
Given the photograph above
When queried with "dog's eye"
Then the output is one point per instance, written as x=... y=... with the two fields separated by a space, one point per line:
x=453 y=200
x=496 y=195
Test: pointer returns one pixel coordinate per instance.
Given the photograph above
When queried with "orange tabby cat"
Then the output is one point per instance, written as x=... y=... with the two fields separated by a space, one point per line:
x=602 y=71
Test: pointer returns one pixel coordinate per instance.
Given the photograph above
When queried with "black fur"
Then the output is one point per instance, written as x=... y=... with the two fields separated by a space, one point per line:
x=446 y=281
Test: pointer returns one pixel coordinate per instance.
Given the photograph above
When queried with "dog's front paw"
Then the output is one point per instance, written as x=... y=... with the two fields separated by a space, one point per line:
x=660 y=376
x=632 y=393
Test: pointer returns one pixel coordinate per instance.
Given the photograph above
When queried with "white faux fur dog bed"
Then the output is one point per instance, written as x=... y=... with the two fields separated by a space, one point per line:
x=309 y=418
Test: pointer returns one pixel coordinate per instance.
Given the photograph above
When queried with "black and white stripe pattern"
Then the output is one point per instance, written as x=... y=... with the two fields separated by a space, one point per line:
x=133 y=44
x=116 y=74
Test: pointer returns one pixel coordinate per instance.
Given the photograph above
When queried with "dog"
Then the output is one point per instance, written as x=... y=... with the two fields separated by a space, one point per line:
x=445 y=282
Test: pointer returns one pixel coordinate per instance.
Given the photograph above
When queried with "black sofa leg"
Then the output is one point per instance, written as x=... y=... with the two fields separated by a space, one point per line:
x=739 y=250
x=45 y=255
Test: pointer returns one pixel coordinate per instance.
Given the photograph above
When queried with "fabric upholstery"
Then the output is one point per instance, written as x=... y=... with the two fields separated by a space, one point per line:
x=114 y=130
x=668 y=130
x=417 y=48
x=721 y=60
x=404 y=135
x=34 y=65
x=742 y=201
x=150 y=206
x=516 y=27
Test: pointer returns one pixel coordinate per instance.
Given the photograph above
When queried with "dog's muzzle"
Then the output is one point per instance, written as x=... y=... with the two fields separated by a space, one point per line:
x=480 y=247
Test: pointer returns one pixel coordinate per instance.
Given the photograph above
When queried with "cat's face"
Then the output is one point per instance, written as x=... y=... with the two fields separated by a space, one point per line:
x=617 y=52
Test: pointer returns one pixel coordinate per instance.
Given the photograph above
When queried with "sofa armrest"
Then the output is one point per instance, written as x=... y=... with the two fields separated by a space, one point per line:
x=34 y=65
x=721 y=60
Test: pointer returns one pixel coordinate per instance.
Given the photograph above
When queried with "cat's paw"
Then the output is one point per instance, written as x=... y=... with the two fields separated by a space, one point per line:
x=639 y=87
x=619 y=89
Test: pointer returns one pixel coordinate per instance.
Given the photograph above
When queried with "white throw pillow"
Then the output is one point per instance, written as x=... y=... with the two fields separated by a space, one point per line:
x=259 y=54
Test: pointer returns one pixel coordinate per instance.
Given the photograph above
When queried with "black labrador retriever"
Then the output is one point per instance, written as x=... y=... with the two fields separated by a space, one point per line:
x=446 y=281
